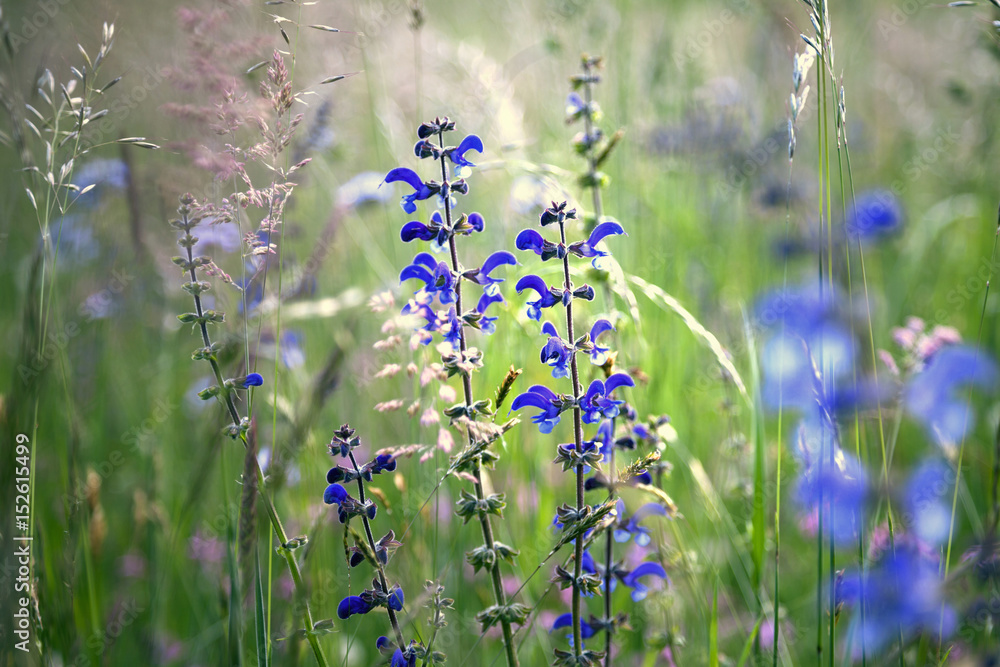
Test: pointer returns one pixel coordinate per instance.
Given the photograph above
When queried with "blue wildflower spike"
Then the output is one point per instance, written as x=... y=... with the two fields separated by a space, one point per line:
x=543 y=398
x=547 y=296
x=639 y=590
x=421 y=192
x=575 y=106
x=588 y=248
x=599 y=355
x=451 y=329
x=352 y=605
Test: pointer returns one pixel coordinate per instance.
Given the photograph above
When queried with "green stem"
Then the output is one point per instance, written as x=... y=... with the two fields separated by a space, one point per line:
x=484 y=521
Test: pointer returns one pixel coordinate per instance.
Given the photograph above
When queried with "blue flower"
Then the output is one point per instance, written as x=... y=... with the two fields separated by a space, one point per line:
x=575 y=106
x=482 y=276
x=928 y=515
x=418 y=230
x=566 y=621
x=548 y=296
x=596 y=403
x=529 y=239
x=400 y=660
x=599 y=355
x=252 y=380
x=589 y=248
x=874 y=214
x=488 y=324
x=421 y=192
x=931 y=396
x=335 y=494
x=352 y=605
x=395 y=601
x=902 y=592
x=543 y=398
x=558 y=355
x=457 y=156
x=639 y=590
x=436 y=276
x=451 y=328
x=831 y=480
x=631 y=528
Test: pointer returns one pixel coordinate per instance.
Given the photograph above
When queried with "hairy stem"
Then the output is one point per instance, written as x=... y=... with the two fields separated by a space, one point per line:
x=484 y=520
x=272 y=513
x=371 y=543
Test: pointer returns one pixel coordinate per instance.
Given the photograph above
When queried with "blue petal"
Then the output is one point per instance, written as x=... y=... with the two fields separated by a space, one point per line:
x=644 y=570
x=529 y=239
x=418 y=272
x=334 y=494
x=253 y=380
x=602 y=230
x=549 y=329
x=532 y=282
x=351 y=605
x=497 y=259
x=476 y=220
x=405 y=175
x=470 y=143
x=618 y=380
x=600 y=326
x=396 y=600
x=487 y=300
x=562 y=621
x=416 y=230
x=649 y=509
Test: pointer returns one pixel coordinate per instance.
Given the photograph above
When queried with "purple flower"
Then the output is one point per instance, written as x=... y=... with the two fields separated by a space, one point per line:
x=351 y=605
x=543 y=398
x=588 y=248
x=596 y=403
x=421 y=190
x=566 y=621
x=436 y=276
x=831 y=480
x=631 y=528
x=599 y=355
x=874 y=214
x=548 y=296
x=558 y=355
x=334 y=494
x=932 y=396
x=901 y=592
x=529 y=239
x=928 y=515
x=639 y=590
x=252 y=380
x=488 y=324
x=482 y=276
x=457 y=155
